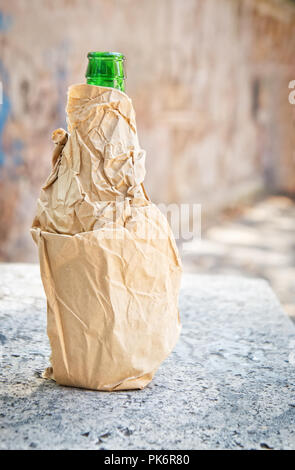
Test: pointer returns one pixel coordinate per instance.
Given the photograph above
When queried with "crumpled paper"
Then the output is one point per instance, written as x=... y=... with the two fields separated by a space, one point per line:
x=109 y=263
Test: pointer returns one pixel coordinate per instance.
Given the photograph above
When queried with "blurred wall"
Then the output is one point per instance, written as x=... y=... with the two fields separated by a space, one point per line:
x=208 y=78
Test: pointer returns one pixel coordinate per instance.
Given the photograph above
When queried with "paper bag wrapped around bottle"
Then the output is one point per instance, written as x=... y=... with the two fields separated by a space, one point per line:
x=109 y=263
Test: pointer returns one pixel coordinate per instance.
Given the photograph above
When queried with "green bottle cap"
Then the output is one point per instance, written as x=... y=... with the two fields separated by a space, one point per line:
x=106 y=69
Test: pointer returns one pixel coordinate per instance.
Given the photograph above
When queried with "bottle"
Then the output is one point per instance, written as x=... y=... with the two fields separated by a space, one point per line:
x=106 y=69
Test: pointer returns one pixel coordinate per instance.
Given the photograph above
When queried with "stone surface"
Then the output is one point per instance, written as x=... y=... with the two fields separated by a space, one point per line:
x=229 y=383
x=255 y=241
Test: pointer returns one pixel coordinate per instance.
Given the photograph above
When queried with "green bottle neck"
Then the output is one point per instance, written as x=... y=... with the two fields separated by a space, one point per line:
x=106 y=69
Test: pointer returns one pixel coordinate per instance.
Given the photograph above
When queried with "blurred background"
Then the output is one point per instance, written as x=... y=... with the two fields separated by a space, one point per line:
x=210 y=83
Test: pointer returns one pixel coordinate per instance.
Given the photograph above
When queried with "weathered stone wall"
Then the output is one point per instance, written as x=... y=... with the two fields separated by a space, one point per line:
x=209 y=80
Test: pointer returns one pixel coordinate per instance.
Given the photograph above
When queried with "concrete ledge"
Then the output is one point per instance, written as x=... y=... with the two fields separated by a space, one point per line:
x=230 y=383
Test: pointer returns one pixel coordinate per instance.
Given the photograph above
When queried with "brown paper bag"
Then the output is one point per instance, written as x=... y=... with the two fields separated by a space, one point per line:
x=109 y=263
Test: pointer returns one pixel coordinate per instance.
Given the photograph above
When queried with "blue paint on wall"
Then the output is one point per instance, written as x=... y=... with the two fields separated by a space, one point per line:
x=4 y=113
x=5 y=21
x=17 y=148
x=5 y=108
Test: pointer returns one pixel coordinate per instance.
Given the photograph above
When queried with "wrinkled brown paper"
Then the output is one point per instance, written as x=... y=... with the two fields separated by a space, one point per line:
x=109 y=263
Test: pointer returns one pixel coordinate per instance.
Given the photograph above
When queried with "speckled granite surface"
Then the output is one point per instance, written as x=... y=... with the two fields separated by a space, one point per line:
x=229 y=384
